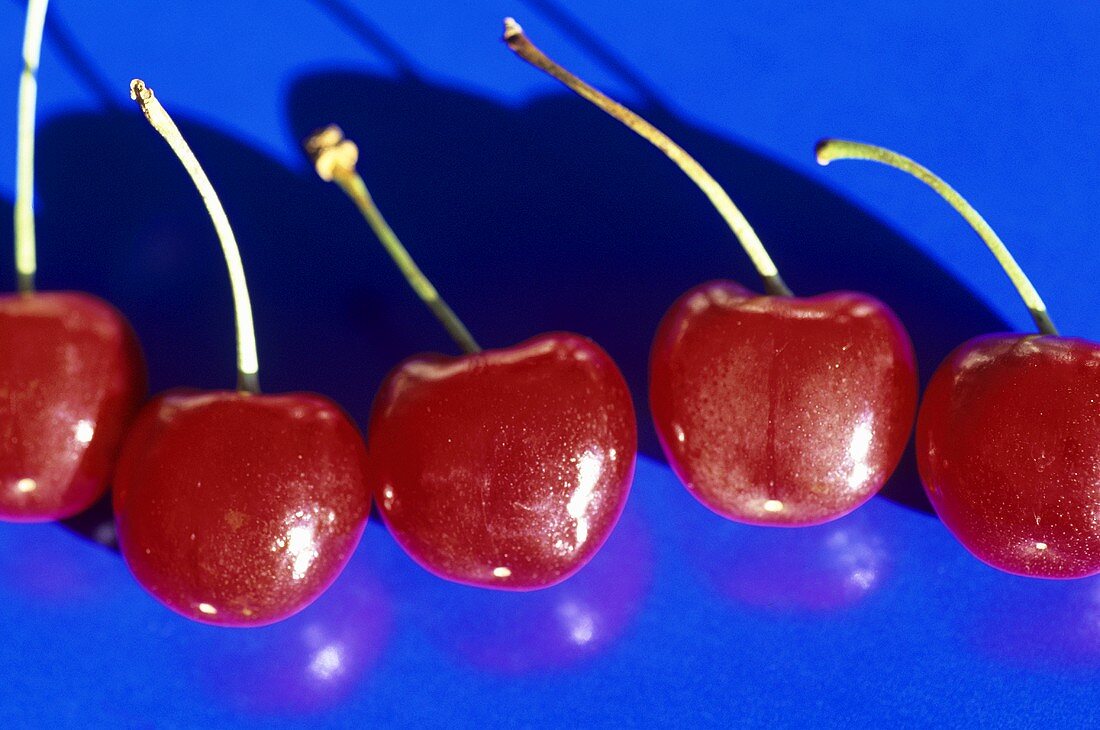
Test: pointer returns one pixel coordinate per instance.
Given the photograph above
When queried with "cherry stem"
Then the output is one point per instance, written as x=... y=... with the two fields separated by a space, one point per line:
x=334 y=158
x=247 y=360
x=529 y=52
x=25 y=258
x=828 y=150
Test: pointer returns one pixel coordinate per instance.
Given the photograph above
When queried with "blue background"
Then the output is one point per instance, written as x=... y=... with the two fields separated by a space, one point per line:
x=532 y=211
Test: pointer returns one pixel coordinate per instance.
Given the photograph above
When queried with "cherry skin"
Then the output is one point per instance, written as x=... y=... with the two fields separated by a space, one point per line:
x=240 y=509
x=1008 y=447
x=72 y=377
x=781 y=410
x=504 y=468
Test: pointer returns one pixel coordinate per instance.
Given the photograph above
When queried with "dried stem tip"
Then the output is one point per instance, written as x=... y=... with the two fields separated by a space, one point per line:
x=334 y=158
x=331 y=152
x=511 y=29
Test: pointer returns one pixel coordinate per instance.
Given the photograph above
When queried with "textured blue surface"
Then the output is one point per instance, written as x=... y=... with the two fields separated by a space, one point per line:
x=533 y=212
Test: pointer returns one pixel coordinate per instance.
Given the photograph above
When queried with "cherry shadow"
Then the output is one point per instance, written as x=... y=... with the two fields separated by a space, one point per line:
x=551 y=216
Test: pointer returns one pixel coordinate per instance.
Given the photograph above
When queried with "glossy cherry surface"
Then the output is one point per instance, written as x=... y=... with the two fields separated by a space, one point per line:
x=505 y=468
x=240 y=509
x=781 y=410
x=1008 y=445
x=72 y=377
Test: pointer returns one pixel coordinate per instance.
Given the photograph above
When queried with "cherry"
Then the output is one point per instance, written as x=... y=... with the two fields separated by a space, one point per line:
x=1008 y=428
x=501 y=468
x=232 y=507
x=240 y=509
x=72 y=375
x=771 y=409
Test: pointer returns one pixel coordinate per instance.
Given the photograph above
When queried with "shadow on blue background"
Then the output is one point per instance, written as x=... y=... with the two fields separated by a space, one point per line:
x=545 y=217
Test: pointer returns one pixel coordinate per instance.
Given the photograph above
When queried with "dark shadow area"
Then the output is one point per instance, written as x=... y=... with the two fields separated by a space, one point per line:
x=97 y=523
x=552 y=216
x=527 y=219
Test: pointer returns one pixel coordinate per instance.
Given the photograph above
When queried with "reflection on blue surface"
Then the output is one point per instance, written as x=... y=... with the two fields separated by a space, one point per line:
x=46 y=574
x=553 y=629
x=311 y=663
x=1040 y=625
x=804 y=570
x=683 y=616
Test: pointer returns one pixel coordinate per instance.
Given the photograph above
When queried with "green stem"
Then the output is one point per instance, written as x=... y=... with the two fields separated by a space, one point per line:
x=841 y=149
x=335 y=159
x=247 y=359
x=25 y=256
x=731 y=214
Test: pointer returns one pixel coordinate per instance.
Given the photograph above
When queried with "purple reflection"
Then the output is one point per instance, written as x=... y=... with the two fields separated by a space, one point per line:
x=550 y=629
x=1041 y=624
x=45 y=564
x=309 y=663
x=789 y=570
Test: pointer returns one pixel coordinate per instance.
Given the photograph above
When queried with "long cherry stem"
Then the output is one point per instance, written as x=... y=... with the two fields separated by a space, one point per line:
x=734 y=218
x=25 y=256
x=334 y=158
x=828 y=150
x=247 y=360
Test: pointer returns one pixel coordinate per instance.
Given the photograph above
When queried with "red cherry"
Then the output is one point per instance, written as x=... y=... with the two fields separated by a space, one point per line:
x=772 y=410
x=781 y=410
x=1008 y=431
x=236 y=508
x=240 y=509
x=1007 y=446
x=71 y=379
x=71 y=371
x=505 y=468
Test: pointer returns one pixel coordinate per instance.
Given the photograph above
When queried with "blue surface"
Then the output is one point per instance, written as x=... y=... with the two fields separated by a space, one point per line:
x=531 y=212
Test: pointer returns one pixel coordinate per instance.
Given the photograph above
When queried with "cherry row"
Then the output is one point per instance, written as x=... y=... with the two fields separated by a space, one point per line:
x=509 y=468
